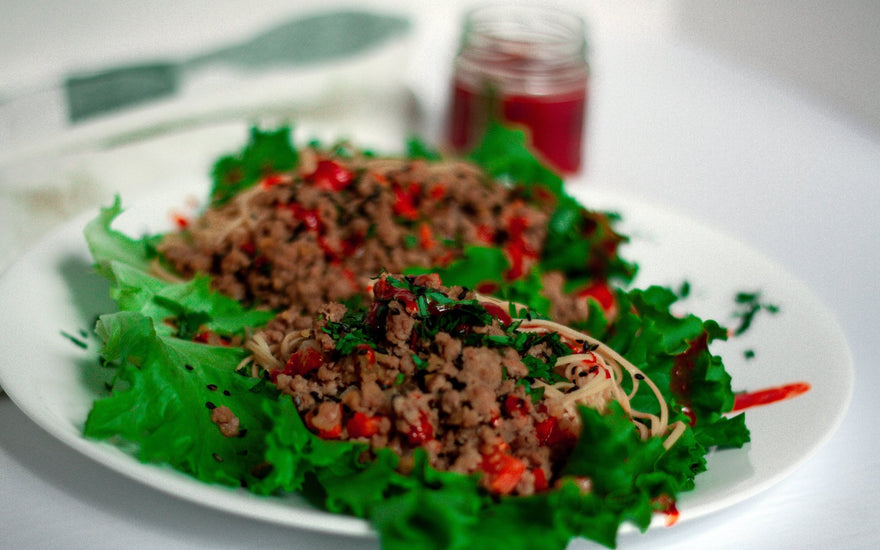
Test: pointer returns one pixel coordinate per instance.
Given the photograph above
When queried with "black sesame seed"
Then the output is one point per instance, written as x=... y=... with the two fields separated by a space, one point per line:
x=217 y=457
x=188 y=367
x=210 y=405
x=226 y=393
x=582 y=374
x=640 y=376
x=212 y=387
x=594 y=369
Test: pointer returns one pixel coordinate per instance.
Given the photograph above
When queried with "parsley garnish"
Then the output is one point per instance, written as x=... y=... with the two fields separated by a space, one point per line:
x=749 y=304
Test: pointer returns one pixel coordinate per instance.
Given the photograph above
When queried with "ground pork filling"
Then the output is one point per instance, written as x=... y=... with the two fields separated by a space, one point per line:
x=318 y=233
x=425 y=366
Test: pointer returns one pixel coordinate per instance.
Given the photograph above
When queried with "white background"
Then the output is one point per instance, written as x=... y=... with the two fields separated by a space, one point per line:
x=790 y=168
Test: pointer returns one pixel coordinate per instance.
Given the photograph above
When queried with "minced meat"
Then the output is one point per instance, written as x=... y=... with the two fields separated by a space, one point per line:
x=318 y=233
x=425 y=366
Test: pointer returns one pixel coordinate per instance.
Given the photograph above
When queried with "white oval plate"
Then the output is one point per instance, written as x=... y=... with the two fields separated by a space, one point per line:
x=50 y=290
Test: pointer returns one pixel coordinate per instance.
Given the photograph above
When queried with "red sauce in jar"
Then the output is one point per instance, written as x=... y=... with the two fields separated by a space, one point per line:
x=525 y=67
x=554 y=123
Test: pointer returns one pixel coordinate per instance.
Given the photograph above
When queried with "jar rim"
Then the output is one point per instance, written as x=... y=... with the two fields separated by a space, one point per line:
x=534 y=26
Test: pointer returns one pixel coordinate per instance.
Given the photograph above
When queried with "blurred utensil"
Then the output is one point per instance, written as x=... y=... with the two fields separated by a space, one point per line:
x=302 y=41
x=75 y=103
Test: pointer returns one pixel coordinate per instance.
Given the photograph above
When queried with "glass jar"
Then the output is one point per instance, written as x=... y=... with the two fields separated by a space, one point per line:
x=527 y=67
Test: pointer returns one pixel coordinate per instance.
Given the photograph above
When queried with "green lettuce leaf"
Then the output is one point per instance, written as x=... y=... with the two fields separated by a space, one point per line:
x=504 y=154
x=163 y=395
x=183 y=309
x=108 y=245
x=267 y=152
x=166 y=385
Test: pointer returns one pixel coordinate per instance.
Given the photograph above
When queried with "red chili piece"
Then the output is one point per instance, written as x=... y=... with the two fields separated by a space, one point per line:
x=420 y=432
x=426 y=237
x=496 y=311
x=515 y=405
x=330 y=176
x=540 y=480
x=271 y=180
x=438 y=192
x=181 y=221
x=302 y=362
x=601 y=293
x=248 y=248
x=368 y=352
x=310 y=218
x=517 y=249
x=486 y=234
x=503 y=471
x=405 y=201
x=328 y=432
x=363 y=425
x=383 y=291
x=549 y=433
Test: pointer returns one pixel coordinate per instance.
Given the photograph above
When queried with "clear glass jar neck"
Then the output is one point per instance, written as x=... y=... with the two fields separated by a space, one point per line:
x=533 y=48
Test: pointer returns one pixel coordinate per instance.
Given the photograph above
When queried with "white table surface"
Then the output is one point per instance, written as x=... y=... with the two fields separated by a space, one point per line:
x=669 y=122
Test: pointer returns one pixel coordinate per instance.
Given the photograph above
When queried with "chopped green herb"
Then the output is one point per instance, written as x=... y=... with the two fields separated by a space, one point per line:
x=419 y=149
x=684 y=290
x=420 y=363
x=77 y=341
x=749 y=304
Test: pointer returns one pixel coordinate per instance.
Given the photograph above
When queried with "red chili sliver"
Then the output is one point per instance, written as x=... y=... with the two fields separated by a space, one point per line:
x=497 y=312
x=541 y=483
x=767 y=396
x=181 y=221
x=426 y=237
x=272 y=180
